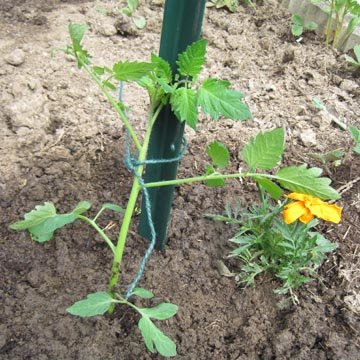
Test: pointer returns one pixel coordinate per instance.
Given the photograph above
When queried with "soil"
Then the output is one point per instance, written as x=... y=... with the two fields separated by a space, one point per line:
x=61 y=142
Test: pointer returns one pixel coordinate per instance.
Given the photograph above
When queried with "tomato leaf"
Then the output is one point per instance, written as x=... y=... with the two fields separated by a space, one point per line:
x=154 y=336
x=162 y=311
x=265 y=151
x=216 y=99
x=190 y=62
x=94 y=304
x=219 y=154
x=131 y=70
x=307 y=181
x=183 y=103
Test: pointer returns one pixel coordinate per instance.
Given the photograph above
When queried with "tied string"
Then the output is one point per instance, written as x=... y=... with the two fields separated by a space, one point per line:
x=132 y=163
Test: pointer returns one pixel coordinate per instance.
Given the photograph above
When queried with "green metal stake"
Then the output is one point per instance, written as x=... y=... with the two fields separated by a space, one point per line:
x=181 y=26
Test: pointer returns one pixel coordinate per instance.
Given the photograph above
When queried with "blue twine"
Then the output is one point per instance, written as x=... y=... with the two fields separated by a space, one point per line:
x=132 y=163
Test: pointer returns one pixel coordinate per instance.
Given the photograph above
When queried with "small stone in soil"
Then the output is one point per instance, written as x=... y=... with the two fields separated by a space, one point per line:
x=16 y=57
x=107 y=29
x=349 y=85
x=308 y=137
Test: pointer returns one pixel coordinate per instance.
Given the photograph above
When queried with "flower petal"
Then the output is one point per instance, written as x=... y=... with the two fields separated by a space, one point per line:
x=328 y=212
x=293 y=211
x=307 y=217
x=298 y=196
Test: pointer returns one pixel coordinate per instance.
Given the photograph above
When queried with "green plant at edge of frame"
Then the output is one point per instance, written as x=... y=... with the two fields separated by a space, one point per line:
x=129 y=11
x=340 y=12
x=232 y=5
x=299 y=26
x=265 y=243
x=355 y=62
x=355 y=132
x=183 y=92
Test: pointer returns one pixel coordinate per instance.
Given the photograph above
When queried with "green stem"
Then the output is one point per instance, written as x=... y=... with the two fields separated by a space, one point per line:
x=198 y=179
x=329 y=23
x=119 y=250
x=99 y=230
x=115 y=104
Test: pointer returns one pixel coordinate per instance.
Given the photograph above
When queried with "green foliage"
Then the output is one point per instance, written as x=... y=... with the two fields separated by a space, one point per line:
x=219 y=154
x=162 y=68
x=131 y=71
x=183 y=103
x=210 y=170
x=307 y=181
x=143 y=293
x=191 y=61
x=265 y=243
x=232 y=5
x=100 y=302
x=356 y=136
x=273 y=190
x=162 y=311
x=220 y=157
x=131 y=7
x=153 y=336
x=77 y=32
x=94 y=304
x=43 y=220
x=214 y=96
x=185 y=96
x=129 y=11
x=266 y=150
x=340 y=12
x=299 y=26
x=112 y=207
x=333 y=156
x=355 y=62
x=216 y=99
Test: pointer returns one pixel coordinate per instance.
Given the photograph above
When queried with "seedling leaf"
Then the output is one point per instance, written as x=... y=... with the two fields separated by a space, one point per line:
x=297 y=30
x=139 y=22
x=142 y=293
x=190 y=62
x=183 y=103
x=265 y=151
x=162 y=311
x=311 y=26
x=154 y=336
x=213 y=182
x=45 y=230
x=43 y=220
x=219 y=154
x=274 y=191
x=318 y=103
x=357 y=53
x=162 y=68
x=216 y=99
x=94 y=304
x=113 y=207
x=77 y=32
x=356 y=136
x=81 y=207
x=298 y=20
x=35 y=217
x=132 y=70
x=307 y=181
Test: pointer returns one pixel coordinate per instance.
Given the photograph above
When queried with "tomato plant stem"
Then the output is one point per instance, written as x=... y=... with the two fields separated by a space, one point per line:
x=99 y=230
x=136 y=187
x=115 y=104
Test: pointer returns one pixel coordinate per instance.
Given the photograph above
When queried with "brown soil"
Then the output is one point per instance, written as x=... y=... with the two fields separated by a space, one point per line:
x=61 y=142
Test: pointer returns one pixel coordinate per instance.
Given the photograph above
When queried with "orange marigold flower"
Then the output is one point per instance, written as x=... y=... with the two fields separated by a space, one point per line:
x=306 y=207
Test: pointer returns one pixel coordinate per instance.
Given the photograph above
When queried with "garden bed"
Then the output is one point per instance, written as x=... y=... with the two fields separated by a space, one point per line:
x=61 y=142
